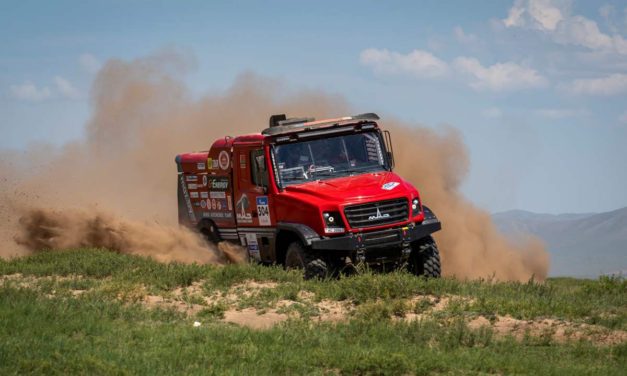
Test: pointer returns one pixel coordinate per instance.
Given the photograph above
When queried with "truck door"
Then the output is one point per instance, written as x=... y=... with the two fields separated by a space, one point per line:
x=253 y=205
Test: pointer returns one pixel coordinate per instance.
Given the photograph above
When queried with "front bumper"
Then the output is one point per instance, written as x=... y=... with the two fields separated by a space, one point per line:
x=388 y=238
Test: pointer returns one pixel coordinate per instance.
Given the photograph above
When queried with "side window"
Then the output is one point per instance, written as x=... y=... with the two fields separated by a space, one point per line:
x=258 y=171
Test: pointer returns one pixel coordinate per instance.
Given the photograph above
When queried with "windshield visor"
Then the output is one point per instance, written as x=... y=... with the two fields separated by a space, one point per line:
x=329 y=158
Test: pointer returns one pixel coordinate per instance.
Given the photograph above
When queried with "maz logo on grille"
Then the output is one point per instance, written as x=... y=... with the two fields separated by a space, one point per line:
x=379 y=215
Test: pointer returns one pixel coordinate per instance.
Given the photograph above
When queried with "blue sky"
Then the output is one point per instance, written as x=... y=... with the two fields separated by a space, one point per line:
x=538 y=88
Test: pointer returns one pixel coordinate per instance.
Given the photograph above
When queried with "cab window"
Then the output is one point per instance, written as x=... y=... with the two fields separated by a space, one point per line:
x=258 y=171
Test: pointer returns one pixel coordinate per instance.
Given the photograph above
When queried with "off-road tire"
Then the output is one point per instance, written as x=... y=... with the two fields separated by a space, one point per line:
x=425 y=258
x=211 y=233
x=298 y=257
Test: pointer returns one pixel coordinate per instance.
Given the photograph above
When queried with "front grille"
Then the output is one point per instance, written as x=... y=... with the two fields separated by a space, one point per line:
x=377 y=213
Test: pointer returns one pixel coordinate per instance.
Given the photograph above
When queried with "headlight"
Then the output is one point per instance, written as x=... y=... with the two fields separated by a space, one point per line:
x=415 y=207
x=333 y=223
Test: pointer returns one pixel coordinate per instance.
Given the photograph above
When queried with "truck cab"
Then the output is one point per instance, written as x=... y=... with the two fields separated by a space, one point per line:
x=317 y=195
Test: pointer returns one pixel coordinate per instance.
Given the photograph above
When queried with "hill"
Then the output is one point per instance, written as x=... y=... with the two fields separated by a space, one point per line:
x=92 y=311
x=581 y=245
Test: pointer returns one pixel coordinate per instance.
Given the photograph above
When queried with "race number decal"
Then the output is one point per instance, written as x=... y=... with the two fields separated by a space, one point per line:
x=263 y=210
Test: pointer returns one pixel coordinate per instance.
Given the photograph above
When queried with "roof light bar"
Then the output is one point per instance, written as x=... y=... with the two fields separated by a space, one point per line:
x=293 y=125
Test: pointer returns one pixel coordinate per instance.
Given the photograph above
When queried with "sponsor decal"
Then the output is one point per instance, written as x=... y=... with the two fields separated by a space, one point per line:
x=220 y=183
x=242 y=240
x=263 y=209
x=213 y=204
x=229 y=202
x=213 y=194
x=203 y=203
x=209 y=163
x=242 y=207
x=378 y=216
x=216 y=214
x=190 y=209
x=253 y=246
x=192 y=186
x=196 y=203
x=204 y=180
x=214 y=164
x=200 y=166
x=242 y=161
x=193 y=194
x=224 y=160
x=191 y=178
x=391 y=185
x=204 y=194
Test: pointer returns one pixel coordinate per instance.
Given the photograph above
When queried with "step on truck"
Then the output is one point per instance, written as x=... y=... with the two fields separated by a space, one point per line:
x=316 y=195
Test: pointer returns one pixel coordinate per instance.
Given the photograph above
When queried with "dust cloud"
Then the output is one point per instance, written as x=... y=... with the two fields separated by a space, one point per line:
x=470 y=245
x=50 y=229
x=116 y=188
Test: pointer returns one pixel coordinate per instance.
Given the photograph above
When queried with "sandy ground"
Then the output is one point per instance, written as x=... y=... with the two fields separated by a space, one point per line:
x=237 y=307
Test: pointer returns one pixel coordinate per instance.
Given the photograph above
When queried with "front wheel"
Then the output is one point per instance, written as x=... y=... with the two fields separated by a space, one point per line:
x=298 y=257
x=425 y=258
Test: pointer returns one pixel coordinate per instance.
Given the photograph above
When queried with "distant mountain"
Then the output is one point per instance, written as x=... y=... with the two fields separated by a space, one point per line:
x=580 y=245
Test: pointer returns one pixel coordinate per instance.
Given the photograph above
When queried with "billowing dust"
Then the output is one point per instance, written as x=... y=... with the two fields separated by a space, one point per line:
x=117 y=187
x=470 y=244
x=51 y=229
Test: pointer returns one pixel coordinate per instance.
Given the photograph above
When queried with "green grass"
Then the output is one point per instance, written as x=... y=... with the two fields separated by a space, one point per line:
x=47 y=328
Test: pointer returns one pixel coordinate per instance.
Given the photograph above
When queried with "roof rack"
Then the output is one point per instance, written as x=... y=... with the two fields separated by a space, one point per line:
x=280 y=125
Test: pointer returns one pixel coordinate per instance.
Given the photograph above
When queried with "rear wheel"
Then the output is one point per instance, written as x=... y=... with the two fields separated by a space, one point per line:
x=298 y=257
x=425 y=258
x=210 y=231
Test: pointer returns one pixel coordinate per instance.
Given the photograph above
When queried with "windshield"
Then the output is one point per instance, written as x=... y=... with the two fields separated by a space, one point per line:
x=329 y=158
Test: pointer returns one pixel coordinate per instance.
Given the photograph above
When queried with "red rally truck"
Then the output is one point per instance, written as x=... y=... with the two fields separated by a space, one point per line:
x=317 y=195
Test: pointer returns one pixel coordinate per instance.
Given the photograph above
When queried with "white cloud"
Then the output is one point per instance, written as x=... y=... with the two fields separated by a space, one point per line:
x=553 y=18
x=29 y=92
x=462 y=37
x=418 y=63
x=492 y=113
x=65 y=88
x=581 y=31
x=515 y=15
x=500 y=76
x=606 y=10
x=89 y=63
x=610 y=85
x=423 y=64
x=537 y=14
x=545 y=13
x=560 y=113
x=608 y=13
